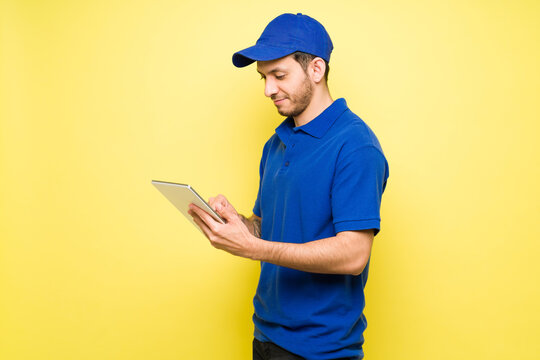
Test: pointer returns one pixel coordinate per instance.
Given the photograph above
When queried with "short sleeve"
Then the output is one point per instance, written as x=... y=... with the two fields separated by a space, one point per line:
x=359 y=182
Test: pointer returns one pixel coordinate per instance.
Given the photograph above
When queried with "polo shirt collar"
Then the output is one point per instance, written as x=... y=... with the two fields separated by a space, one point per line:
x=316 y=127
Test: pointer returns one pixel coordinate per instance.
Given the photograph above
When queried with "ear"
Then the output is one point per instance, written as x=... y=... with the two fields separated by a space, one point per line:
x=318 y=68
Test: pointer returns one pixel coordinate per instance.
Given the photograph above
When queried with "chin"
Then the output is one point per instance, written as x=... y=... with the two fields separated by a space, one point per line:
x=284 y=112
x=287 y=114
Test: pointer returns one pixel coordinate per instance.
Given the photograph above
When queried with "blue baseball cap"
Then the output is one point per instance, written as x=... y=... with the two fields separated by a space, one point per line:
x=285 y=35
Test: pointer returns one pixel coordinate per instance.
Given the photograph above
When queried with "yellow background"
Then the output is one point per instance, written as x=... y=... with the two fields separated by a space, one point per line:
x=99 y=97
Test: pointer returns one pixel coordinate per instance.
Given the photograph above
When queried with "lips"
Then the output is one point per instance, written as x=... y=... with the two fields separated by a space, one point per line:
x=279 y=101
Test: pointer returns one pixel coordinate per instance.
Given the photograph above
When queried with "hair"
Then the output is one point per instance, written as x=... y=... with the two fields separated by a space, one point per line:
x=304 y=59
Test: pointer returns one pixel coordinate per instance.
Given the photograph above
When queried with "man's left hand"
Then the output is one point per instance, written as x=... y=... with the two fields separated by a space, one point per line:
x=233 y=237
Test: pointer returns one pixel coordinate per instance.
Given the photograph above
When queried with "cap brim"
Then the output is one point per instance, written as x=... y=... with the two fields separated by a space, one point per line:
x=259 y=52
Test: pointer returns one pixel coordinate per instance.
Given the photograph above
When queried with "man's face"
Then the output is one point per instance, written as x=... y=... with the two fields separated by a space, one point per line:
x=287 y=84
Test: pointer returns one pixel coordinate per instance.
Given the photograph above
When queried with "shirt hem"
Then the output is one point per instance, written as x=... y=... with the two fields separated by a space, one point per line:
x=358 y=225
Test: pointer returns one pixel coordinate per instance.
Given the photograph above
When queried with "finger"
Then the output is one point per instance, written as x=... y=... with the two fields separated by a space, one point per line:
x=212 y=203
x=205 y=217
x=220 y=202
x=210 y=235
x=201 y=224
x=203 y=227
x=197 y=219
x=217 y=203
x=228 y=212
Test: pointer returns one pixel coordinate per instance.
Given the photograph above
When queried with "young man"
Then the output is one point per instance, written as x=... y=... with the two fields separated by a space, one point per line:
x=322 y=176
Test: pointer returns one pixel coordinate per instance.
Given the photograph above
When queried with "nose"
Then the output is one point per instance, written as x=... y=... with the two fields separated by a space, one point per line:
x=270 y=87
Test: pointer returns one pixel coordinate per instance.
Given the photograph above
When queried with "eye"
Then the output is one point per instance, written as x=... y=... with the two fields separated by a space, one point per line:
x=280 y=77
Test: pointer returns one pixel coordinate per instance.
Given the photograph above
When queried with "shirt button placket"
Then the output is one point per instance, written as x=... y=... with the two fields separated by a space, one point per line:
x=287 y=162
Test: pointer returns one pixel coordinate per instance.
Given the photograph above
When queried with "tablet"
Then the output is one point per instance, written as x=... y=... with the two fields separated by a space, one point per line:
x=181 y=195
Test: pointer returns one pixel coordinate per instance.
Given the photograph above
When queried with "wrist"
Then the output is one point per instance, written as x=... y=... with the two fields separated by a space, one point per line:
x=257 y=248
x=243 y=219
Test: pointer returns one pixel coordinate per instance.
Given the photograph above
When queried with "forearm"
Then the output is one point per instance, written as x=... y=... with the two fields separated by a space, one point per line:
x=341 y=254
x=345 y=253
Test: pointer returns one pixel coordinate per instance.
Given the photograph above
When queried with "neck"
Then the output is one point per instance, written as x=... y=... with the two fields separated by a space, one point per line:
x=319 y=102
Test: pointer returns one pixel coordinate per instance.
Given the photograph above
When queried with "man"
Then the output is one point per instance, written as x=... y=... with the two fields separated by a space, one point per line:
x=322 y=176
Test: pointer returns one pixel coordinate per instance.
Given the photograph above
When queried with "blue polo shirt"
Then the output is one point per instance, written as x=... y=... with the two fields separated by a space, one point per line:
x=317 y=180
